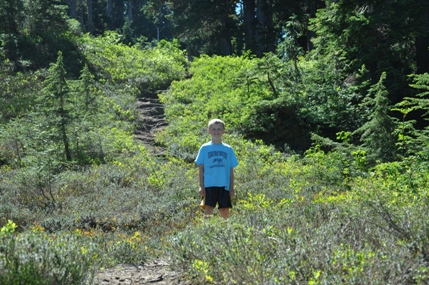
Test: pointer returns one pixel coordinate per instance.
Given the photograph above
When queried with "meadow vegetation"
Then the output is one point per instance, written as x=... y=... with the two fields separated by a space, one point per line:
x=78 y=192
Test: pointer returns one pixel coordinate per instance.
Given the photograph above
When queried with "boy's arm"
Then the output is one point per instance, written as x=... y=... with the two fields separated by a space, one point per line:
x=231 y=183
x=202 y=190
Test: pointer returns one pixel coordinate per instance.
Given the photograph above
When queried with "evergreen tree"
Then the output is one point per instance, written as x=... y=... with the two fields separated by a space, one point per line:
x=90 y=20
x=86 y=86
x=203 y=26
x=414 y=139
x=44 y=18
x=157 y=15
x=379 y=35
x=54 y=103
x=11 y=14
x=377 y=134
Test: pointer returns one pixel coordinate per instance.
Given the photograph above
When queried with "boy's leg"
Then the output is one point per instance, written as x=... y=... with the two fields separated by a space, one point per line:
x=216 y=195
x=224 y=203
x=208 y=210
x=211 y=200
x=224 y=212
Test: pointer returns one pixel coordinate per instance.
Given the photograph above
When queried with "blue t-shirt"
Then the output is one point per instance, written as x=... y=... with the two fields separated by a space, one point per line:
x=218 y=159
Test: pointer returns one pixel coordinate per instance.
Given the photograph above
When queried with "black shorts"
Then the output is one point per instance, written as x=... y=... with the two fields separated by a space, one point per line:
x=218 y=195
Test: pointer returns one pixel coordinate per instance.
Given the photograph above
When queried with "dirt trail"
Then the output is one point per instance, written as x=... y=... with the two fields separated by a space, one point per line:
x=151 y=120
x=156 y=272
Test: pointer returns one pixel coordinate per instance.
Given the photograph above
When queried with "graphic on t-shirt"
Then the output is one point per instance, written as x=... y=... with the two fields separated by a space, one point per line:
x=218 y=153
x=218 y=160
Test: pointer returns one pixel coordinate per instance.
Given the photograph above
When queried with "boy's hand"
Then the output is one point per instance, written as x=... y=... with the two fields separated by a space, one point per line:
x=202 y=191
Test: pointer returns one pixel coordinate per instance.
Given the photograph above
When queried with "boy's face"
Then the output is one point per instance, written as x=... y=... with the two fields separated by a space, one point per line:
x=216 y=130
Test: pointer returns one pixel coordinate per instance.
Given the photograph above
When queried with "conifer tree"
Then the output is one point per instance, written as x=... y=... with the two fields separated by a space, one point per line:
x=85 y=88
x=11 y=13
x=377 y=134
x=54 y=102
x=413 y=138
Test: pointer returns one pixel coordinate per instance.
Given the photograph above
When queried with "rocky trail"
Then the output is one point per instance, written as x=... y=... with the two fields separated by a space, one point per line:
x=157 y=272
x=151 y=119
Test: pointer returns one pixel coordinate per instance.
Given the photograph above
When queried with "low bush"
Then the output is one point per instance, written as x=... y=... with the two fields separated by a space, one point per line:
x=301 y=242
x=41 y=258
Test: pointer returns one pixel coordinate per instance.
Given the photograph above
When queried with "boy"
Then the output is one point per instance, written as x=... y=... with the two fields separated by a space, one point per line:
x=216 y=161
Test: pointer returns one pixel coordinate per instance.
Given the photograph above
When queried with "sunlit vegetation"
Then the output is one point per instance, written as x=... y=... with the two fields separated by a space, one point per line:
x=332 y=185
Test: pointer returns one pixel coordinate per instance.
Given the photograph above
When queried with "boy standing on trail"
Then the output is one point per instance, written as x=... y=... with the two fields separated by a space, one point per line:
x=216 y=161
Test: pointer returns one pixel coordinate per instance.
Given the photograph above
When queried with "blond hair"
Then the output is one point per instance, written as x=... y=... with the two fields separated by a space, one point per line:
x=216 y=121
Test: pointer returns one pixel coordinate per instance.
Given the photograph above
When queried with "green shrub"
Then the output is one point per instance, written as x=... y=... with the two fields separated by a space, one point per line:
x=148 y=70
x=295 y=242
x=397 y=196
x=40 y=258
x=219 y=87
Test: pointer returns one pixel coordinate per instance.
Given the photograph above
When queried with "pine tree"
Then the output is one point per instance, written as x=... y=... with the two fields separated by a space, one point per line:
x=413 y=138
x=85 y=89
x=11 y=14
x=54 y=103
x=377 y=134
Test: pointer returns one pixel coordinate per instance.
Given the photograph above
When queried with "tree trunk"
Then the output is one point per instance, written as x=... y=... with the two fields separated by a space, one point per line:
x=65 y=140
x=258 y=26
x=249 y=23
x=225 y=46
x=130 y=10
x=109 y=8
x=267 y=22
x=72 y=9
x=63 y=120
x=90 y=18
x=109 y=14
x=226 y=27
x=422 y=45
x=311 y=11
